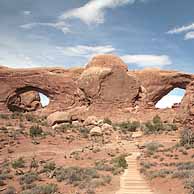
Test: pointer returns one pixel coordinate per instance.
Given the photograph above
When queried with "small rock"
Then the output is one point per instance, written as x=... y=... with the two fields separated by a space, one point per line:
x=96 y=131
x=107 y=128
x=91 y=120
x=58 y=117
x=76 y=124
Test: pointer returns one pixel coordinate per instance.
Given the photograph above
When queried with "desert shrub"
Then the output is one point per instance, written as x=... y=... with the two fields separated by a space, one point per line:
x=90 y=191
x=185 y=166
x=84 y=131
x=4 y=116
x=17 y=115
x=64 y=127
x=48 y=167
x=120 y=162
x=146 y=165
x=35 y=131
x=152 y=147
x=18 y=163
x=187 y=137
x=102 y=165
x=189 y=184
x=76 y=176
x=10 y=190
x=161 y=173
x=34 y=163
x=31 y=118
x=107 y=120
x=29 y=178
x=42 y=189
x=182 y=174
x=5 y=176
x=128 y=126
x=157 y=126
x=102 y=181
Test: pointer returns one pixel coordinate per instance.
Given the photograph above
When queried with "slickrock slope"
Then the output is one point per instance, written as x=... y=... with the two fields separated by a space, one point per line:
x=104 y=87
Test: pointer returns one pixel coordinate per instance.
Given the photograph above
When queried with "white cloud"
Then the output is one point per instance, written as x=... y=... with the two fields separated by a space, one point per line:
x=147 y=60
x=168 y=101
x=189 y=35
x=62 y=26
x=86 y=51
x=93 y=12
x=27 y=13
x=181 y=29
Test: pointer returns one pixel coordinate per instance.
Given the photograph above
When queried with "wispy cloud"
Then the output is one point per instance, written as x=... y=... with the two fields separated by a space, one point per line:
x=147 y=60
x=26 y=13
x=189 y=35
x=93 y=12
x=62 y=26
x=188 y=30
x=86 y=51
x=181 y=29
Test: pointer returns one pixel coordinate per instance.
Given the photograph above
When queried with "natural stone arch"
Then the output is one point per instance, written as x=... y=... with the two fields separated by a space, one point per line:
x=171 y=99
x=25 y=99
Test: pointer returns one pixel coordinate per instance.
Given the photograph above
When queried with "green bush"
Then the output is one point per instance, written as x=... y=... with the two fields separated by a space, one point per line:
x=35 y=131
x=28 y=178
x=42 y=189
x=157 y=126
x=161 y=173
x=128 y=126
x=48 y=167
x=189 y=184
x=102 y=165
x=120 y=162
x=19 y=163
x=152 y=147
x=76 y=176
x=4 y=116
x=187 y=137
x=31 y=118
x=84 y=132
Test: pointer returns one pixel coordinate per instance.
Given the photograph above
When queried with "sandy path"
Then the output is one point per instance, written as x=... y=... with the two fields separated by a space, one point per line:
x=132 y=182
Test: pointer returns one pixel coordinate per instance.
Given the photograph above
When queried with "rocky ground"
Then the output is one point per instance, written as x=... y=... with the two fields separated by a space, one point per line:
x=89 y=157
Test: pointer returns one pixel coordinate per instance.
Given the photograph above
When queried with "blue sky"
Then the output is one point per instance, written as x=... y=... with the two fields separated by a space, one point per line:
x=145 y=33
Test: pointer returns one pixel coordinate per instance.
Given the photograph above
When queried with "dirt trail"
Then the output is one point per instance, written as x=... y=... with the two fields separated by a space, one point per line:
x=132 y=182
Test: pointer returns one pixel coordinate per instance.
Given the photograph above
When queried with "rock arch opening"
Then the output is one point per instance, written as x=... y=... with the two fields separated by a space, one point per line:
x=44 y=100
x=175 y=96
x=27 y=99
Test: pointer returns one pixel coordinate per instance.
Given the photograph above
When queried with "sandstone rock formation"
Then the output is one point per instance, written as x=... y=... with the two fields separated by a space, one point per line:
x=104 y=88
x=186 y=111
x=28 y=101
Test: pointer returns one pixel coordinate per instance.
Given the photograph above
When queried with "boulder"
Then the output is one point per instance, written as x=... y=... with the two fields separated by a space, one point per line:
x=91 y=120
x=66 y=116
x=96 y=131
x=58 y=117
x=106 y=127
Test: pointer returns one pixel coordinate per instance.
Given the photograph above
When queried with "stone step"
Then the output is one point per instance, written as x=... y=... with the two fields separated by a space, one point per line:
x=132 y=182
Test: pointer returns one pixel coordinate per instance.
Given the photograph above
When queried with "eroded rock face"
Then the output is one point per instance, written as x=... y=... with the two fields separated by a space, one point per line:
x=105 y=80
x=105 y=88
x=186 y=111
